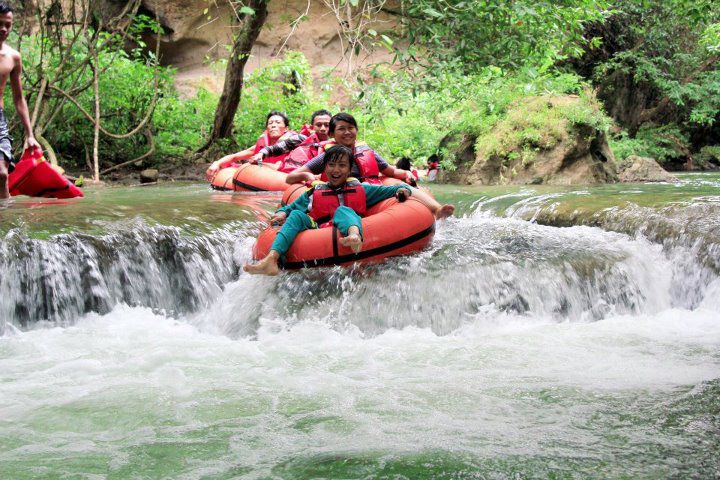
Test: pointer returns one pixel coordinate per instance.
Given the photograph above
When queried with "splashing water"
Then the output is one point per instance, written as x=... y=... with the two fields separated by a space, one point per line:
x=508 y=348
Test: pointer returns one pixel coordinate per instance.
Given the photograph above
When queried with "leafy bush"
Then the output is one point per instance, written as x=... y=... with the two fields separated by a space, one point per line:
x=708 y=157
x=665 y=144
x=284 y=84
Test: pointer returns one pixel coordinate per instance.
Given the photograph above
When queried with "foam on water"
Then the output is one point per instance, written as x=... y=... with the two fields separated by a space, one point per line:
x=507 y=348
x=122 y=385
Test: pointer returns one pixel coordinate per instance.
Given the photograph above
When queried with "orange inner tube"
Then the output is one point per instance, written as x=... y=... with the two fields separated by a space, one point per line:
x=248 y=177
x=390 y=228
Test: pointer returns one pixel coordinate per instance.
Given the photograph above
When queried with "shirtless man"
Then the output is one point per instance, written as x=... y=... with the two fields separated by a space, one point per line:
x=10 y=67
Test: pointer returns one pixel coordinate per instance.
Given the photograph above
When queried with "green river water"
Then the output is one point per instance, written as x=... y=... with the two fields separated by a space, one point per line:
x=547 y=332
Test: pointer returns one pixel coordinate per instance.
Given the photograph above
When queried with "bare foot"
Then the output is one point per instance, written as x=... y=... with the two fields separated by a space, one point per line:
x=353 y=240
x=266 y=266
x=445 y=211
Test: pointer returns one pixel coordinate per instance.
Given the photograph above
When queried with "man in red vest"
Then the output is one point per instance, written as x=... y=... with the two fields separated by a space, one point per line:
x=10 y=67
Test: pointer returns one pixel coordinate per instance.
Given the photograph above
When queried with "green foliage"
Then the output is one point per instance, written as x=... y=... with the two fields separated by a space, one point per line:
x=665 y=144
x=126 y=93
x=708 y=157
x=471 y=34
x=180 y=125
x=538 y=123
x=671 y=49
x=285 y=85
x=401 y=117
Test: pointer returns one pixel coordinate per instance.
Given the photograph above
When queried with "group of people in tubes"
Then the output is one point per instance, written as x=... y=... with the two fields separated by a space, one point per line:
x=350 y=180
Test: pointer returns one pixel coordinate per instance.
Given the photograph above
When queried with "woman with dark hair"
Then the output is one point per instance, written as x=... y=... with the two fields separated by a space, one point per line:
x=367 y=164
x=276 y=129
x=299 y=148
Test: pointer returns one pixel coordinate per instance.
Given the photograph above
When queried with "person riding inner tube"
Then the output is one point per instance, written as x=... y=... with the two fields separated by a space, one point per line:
x=367 y=164
x=299 y=148
x=340 y=202
x=276 y=129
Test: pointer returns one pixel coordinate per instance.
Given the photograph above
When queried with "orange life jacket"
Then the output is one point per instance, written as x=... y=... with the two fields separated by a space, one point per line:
x=364 y=159
x=264 y=141
x=301 y=154
x=325 y=200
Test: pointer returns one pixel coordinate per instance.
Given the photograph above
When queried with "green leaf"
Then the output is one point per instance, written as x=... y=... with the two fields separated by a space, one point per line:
x=245 y=10
x=433 y=13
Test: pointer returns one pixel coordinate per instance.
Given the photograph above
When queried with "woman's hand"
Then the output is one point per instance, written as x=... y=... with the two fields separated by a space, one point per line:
x=303 y=176
x=278 y=218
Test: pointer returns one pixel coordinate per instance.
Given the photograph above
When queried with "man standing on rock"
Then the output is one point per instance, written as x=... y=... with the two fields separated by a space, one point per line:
x=10 y=67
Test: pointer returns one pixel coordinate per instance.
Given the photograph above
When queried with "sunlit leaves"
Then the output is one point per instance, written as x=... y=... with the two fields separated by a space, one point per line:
x=473 y=34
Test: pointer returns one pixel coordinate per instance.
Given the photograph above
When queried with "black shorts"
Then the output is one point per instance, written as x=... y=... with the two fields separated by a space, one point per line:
x=6 y=142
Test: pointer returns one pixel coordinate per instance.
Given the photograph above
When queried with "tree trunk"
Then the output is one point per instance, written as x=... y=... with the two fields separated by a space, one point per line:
x=248 y=29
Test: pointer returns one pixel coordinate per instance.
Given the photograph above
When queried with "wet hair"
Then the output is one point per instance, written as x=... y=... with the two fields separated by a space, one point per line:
x=317 y=114
x=335 y=153
x=342 y=117
x=279 y=114
x=404 y=163
x=5 y=8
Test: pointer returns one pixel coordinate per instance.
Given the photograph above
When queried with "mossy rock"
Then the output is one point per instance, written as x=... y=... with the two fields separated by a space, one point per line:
x=557 y=140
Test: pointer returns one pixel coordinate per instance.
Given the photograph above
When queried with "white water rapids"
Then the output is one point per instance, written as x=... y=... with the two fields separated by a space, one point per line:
x=508 y=348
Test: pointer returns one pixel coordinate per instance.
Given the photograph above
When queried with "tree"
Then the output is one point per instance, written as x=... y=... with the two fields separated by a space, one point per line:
x=467 y=35
x=250 y=19
x=657 y=67
x=63 y=45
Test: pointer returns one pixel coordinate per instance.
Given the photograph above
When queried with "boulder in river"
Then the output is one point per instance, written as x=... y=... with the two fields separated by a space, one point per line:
x=643 y=169
x=149 y=175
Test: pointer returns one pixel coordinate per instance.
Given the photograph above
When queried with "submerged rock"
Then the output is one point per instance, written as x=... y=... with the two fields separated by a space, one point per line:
x=556 y=140
x=643 y=169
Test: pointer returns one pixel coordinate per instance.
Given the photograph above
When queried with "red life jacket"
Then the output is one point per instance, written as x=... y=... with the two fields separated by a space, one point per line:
x=301 y=154
x=364 y=159
x=264 y=141
x=325 y=201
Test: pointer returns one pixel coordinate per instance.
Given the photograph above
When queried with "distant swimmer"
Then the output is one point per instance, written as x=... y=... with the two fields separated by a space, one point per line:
x=433 y=167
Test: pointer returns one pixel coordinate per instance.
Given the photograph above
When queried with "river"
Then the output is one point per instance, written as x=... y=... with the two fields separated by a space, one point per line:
x=547 y=332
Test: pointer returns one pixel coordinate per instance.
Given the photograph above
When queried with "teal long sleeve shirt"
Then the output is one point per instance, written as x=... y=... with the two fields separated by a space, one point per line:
x=344 y=217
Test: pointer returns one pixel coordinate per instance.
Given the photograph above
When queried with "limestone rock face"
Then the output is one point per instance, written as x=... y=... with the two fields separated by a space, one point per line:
x=200 y=30
x=643 y=169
